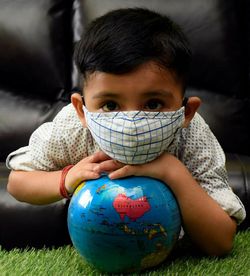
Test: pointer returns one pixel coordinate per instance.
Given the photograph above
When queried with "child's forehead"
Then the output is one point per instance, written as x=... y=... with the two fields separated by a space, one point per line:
x=147 y=77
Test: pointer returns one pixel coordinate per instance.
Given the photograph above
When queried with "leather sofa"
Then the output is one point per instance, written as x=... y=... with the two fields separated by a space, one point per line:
x=37 y=76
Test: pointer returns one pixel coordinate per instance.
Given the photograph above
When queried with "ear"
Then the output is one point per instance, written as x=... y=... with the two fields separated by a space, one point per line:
x=191 y=107
x=76 y=100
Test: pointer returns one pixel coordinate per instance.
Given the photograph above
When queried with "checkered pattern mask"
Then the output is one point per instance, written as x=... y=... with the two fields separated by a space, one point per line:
x=134 y=137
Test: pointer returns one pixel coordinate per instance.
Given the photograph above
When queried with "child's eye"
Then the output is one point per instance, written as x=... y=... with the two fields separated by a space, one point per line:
x=110 y=106
x=154 y=105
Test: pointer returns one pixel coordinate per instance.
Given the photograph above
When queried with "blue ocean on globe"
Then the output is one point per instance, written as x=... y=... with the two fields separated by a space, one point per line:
x=124 y=225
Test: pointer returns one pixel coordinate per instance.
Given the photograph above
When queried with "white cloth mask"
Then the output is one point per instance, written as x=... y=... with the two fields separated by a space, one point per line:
x=134 y=137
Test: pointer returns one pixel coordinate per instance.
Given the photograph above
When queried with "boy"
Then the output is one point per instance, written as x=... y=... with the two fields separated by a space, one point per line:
x=133 y=120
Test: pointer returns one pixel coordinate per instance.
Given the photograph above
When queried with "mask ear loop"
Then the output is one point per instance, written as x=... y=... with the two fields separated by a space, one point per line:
x=184 y=102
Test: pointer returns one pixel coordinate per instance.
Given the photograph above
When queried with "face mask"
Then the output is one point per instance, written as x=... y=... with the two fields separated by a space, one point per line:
x=134 y=137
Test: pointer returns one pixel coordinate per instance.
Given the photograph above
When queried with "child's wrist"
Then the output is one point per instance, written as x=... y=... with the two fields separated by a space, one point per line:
x=176 y=172
x=64 y=192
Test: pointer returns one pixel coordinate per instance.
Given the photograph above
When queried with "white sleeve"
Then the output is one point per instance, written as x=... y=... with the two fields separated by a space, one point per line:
x=205 y=159
x=20 y=160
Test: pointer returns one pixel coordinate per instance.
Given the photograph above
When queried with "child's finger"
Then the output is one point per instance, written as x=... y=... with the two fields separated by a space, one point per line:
x=108 y=166
x=98 y=157
x=91 y=175
x=125 y=171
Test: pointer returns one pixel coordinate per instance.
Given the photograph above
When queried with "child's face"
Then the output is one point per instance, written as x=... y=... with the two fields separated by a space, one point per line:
x=148 y=88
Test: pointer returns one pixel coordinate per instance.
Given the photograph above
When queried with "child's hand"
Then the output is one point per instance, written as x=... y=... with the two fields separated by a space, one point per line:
x=88 y=168
x=165 y=168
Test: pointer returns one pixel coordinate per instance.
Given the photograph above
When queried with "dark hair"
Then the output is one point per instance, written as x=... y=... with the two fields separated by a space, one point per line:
x=121 y=40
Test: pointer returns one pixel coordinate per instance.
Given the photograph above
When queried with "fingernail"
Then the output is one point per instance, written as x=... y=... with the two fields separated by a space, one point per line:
x=111 y=176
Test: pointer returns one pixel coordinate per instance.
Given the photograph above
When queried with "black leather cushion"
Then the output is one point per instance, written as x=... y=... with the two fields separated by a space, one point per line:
x=238 y=167
x=217 y=33
x=25 y=225
x=36 y=66
x=35 y=47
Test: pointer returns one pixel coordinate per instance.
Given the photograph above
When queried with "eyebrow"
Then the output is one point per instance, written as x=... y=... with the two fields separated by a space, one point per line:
x=109 y=94
x=106 y=94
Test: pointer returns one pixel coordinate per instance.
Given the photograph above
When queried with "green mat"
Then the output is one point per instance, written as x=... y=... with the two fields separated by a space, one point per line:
x=183 y=261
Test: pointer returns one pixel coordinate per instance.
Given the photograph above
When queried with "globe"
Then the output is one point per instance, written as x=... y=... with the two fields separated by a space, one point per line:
x=123 y=225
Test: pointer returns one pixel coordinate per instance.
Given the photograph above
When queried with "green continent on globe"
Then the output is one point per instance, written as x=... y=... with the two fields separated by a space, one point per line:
x=151 y=230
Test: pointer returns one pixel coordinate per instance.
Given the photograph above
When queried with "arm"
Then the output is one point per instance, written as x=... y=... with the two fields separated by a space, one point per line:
x=208 y=225
x=36 y=187
x=41 y=187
